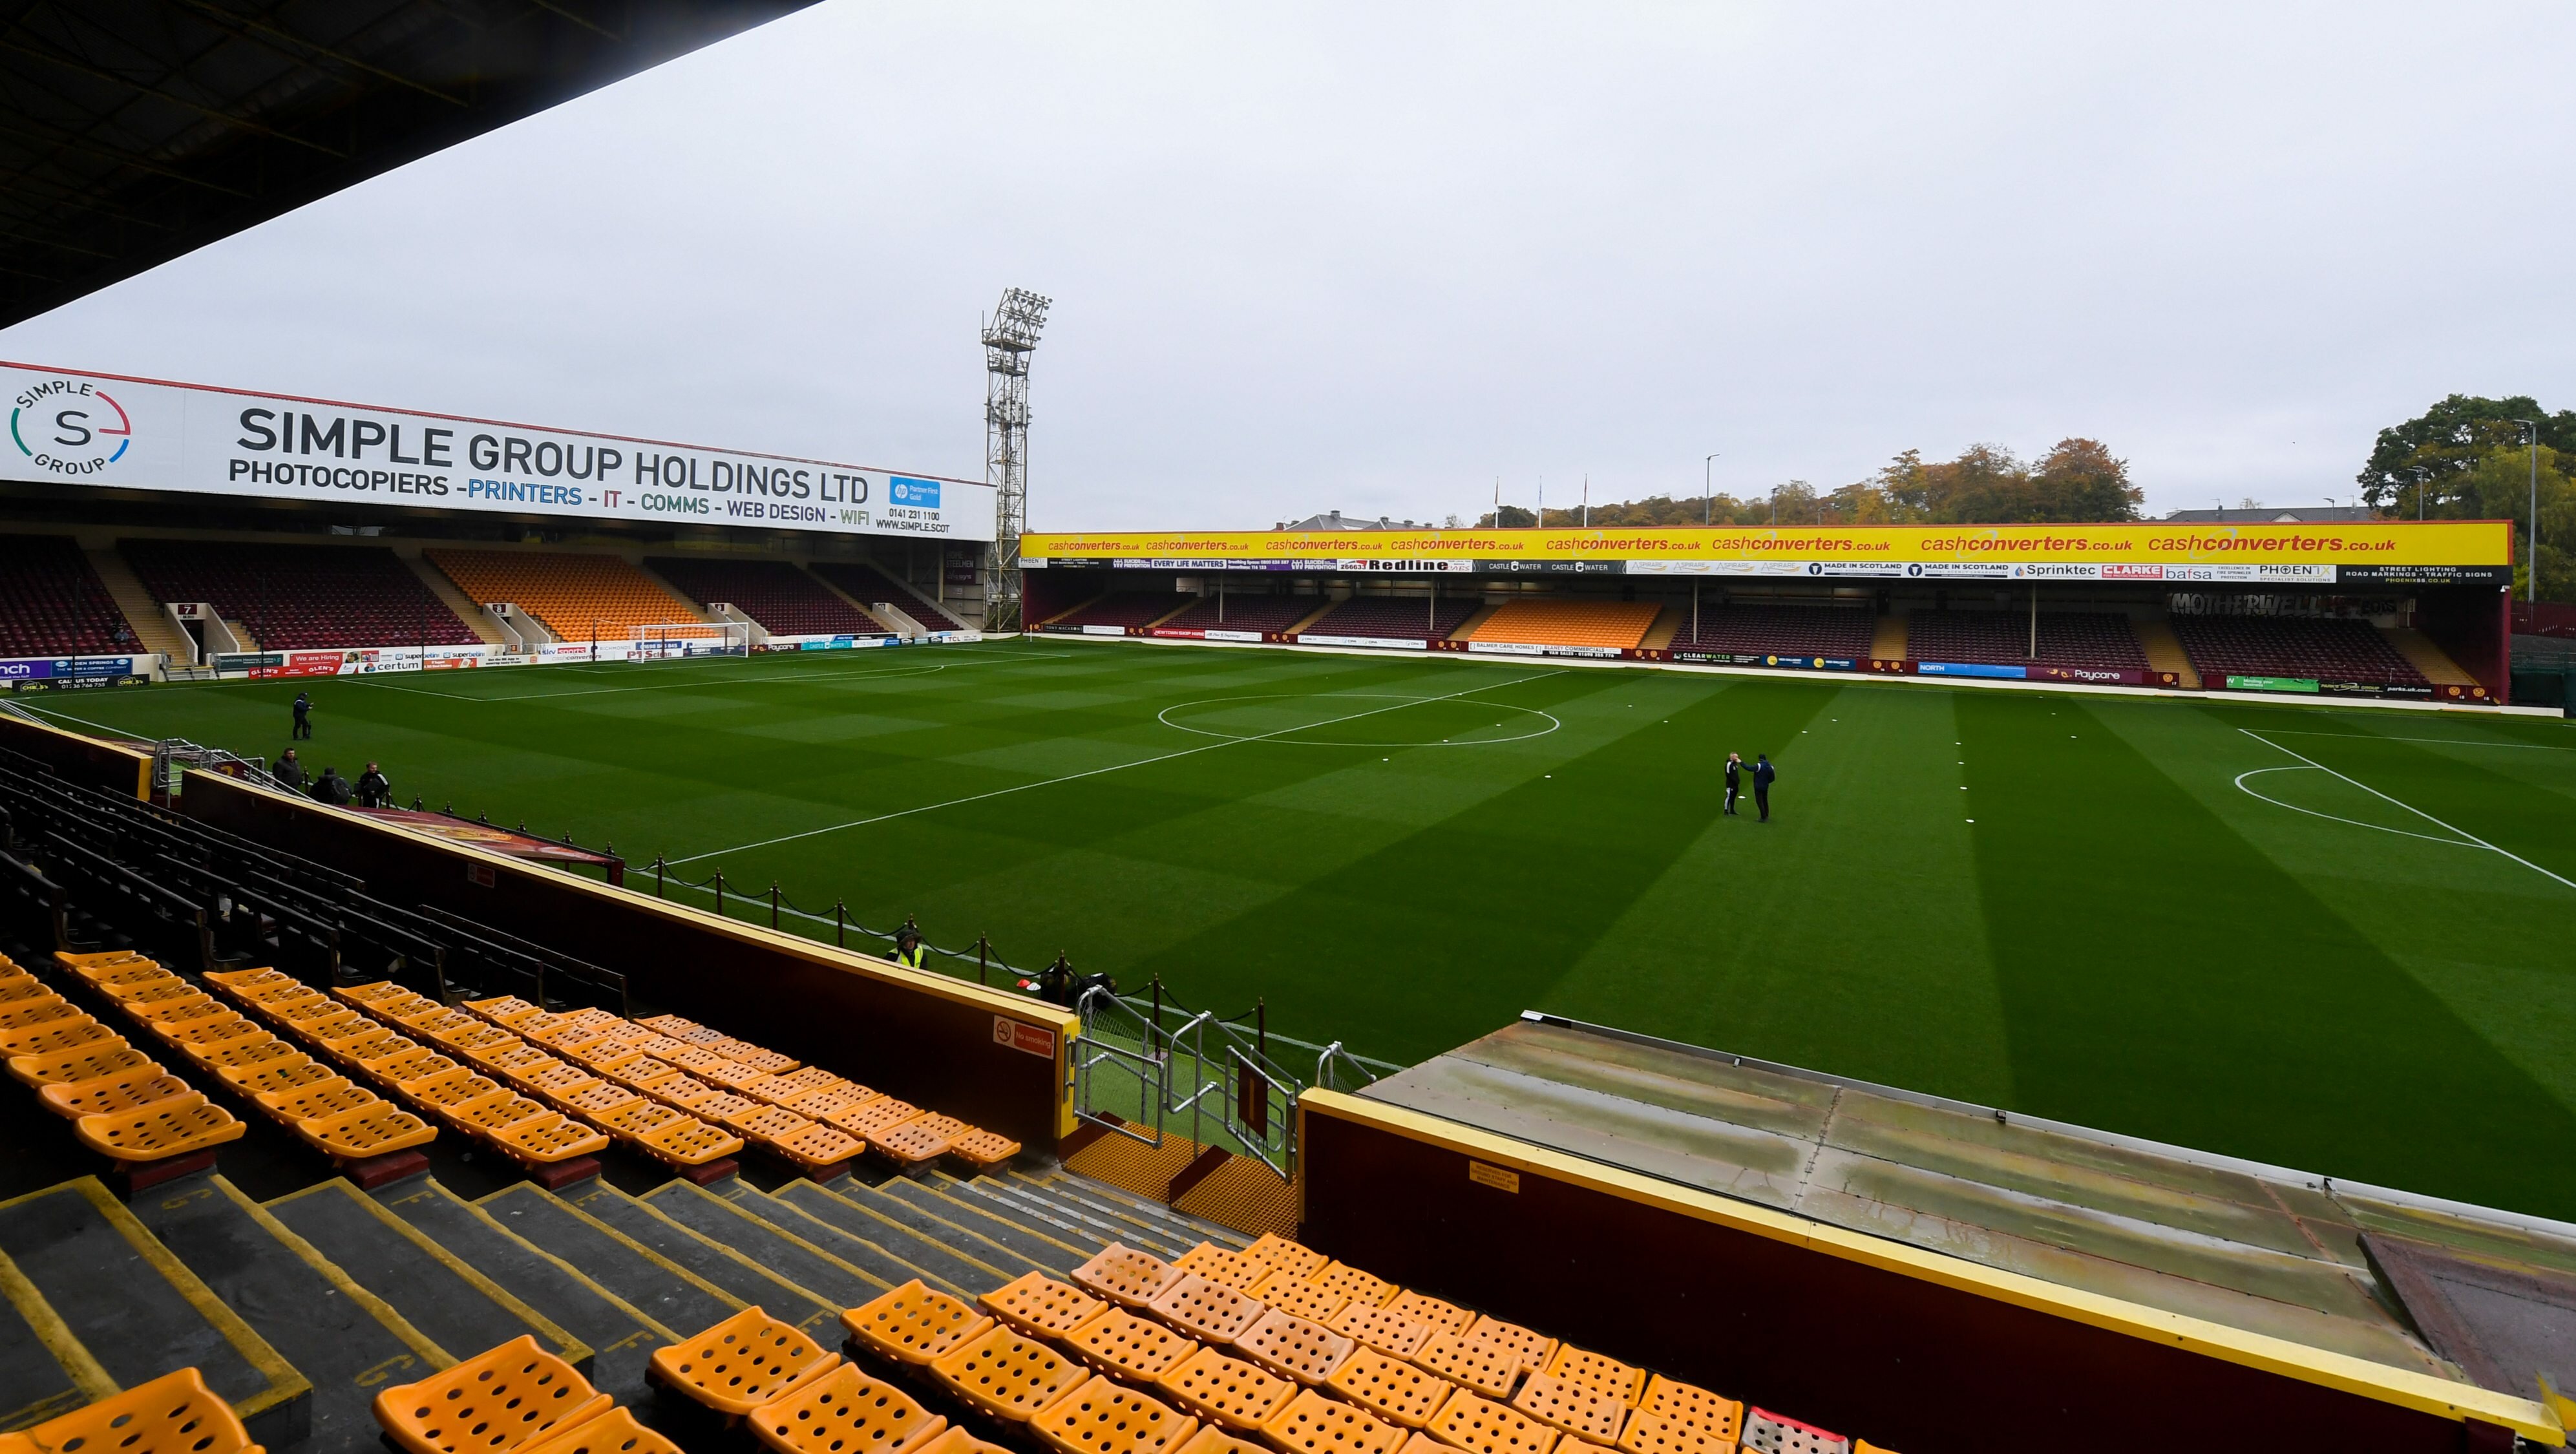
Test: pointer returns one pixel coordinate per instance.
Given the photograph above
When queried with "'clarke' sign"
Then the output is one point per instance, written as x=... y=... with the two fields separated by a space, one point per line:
x=112 y=432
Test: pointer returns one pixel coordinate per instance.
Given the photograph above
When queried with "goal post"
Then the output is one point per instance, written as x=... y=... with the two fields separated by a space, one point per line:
x=680 y=640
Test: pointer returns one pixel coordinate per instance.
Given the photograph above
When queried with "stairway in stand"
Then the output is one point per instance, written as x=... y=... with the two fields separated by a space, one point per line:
x=301 y=1307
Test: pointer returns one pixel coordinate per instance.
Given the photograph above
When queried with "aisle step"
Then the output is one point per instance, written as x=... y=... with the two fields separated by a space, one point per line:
x=860 y=1252
x=1170 y=1221
x=621 y=1338
x=1114 y=1223
x=938 y=1262
x=454 y=1304
x=1015 y=1249
x=660 y=1289
x=742 y=1279
x=720 y=1218
x=126 y=1310
x=34 y=1385
x=1011 y=1204
x=972 y=1260
x=344 y=1339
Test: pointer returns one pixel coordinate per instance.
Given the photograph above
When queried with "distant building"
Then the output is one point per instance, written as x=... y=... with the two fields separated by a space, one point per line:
x=1336 y=520
x=2269 y=515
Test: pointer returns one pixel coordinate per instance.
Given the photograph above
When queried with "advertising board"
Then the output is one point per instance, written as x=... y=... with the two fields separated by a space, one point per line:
x=108 y=431
x=2396 y=551
x=43 y=672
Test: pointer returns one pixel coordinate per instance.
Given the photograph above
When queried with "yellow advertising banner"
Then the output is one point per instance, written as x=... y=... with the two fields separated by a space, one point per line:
x=1641 y=551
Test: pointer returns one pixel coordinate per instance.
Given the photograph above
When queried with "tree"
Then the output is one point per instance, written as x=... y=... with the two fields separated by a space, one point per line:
x=2448 y=440
x=2496 y=485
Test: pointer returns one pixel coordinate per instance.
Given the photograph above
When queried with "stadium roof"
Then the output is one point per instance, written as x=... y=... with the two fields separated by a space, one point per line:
x=139 y=130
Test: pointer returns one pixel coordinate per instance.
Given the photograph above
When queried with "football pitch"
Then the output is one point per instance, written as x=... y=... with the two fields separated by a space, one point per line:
x=2338 y=939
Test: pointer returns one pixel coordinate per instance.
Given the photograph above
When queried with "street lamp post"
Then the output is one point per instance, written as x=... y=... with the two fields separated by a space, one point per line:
x=1707 y=492
x=2531 y=436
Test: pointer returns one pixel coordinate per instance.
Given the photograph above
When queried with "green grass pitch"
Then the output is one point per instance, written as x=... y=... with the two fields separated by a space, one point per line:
x=2338 y=939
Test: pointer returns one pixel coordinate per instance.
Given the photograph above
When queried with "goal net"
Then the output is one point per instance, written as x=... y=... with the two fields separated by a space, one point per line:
x=674 y=640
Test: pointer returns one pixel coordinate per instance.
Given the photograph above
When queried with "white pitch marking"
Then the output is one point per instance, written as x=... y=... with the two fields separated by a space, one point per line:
x=2444 y=741
x=1097 y=771
x=806 y=674
x=2409 y=807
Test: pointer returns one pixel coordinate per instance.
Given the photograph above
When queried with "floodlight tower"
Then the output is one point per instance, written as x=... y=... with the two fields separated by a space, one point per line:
x=1010 y=336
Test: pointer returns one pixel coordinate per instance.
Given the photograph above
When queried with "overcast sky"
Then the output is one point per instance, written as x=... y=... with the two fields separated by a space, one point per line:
x=1373 y=256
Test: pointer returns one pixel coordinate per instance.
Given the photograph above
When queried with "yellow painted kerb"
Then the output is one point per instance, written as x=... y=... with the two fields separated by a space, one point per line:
x=2421 y=1392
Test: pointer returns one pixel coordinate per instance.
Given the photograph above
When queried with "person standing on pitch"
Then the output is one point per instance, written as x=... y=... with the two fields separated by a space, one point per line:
x=1734 y=780
x=1762 y=775
x=303 y=715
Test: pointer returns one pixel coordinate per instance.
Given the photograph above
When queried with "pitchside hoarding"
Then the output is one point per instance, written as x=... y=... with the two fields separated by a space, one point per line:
x=2395 y=552
x=108 y=431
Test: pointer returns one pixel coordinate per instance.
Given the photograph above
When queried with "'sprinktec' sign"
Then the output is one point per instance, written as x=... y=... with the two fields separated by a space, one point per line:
x=107 y=431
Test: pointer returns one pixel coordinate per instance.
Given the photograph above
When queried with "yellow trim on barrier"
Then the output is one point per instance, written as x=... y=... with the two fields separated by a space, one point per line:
x=2421 y=1392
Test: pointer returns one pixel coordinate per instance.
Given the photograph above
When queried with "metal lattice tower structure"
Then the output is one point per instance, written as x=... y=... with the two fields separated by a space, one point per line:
x=1010 y=336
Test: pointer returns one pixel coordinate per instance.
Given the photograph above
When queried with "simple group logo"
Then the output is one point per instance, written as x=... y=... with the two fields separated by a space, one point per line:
x=920 y=494
x=69 y=427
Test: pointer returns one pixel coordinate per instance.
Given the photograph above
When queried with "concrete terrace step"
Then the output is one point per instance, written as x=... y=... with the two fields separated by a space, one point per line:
x=892 y=1201
x=1020 y=1208
x=658 y=1288
x=120 y=1309
x=34 y=1385
x=1157 y=1224
x=1097 y=1223
x=344 y=1339
x=741 y=1278
x=621 y=1338
x=735 y=1218
x=455 y=1304
x=852 y=1243
x=938 y=1264
x=937 y=1200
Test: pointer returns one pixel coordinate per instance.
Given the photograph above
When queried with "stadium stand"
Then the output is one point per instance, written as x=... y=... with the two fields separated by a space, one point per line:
x=1119 y=608
x=2100 y=639
x=1246 y=613
x=864 y=582
x=1843 y=631
x=1394 y=618
x=2274 y=646
x=301 y=597
x=782 y=598
x=576 y=596
x=1569 y=622
x=53 y=604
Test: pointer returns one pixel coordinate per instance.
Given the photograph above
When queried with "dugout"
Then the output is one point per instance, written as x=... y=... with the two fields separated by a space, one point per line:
x=2395 y=610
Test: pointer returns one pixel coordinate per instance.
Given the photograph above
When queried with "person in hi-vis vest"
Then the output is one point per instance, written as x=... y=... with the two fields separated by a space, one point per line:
x=907 y=947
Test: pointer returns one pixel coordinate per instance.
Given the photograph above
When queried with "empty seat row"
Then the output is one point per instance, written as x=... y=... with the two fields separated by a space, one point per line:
x=2273 y=646
x=2097 y=639
x=783 y=599
x=52 y=602
x=1545 y=622
x=1764 y=629
x=122 y=1103
x=865 y=582
x=1246 y=613
x=1395 y=618
x=577 y=597
x=301 y=597
x=1120 y=608
x=173 y=1414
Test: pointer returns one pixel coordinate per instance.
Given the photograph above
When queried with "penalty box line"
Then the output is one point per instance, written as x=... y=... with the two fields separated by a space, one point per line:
x=2409 y=807
x=1097 y=771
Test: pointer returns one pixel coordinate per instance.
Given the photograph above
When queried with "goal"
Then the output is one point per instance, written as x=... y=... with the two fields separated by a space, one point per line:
x=677 y=640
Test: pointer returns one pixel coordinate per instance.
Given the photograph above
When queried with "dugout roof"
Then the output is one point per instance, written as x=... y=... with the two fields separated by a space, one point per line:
x=139 y=130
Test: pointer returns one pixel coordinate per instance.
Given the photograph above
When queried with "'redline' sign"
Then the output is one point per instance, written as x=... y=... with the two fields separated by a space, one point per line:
x=107 y=431
x=2396 y=552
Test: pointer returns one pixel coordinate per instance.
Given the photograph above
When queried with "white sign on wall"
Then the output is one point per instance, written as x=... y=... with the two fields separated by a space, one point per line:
x=108 y=431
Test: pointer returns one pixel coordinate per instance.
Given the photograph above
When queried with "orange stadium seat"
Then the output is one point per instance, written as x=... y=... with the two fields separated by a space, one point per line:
x=577 y=597
x=1544 y=622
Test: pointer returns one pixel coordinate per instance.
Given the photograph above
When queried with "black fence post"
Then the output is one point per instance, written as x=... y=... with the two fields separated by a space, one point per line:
x=719 y=893
x=773 y=903
x=841 y=923
x=657 y=875
x=983 y=955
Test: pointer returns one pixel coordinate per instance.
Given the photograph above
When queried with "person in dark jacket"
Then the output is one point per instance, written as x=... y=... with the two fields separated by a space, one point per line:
x=289 y=770
x=1734 y=780
x=331 y=788
x=373 y=790
x=1762 y=776
x=303 y=715
x=907 y=947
